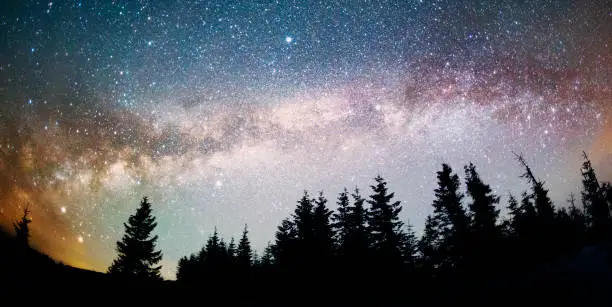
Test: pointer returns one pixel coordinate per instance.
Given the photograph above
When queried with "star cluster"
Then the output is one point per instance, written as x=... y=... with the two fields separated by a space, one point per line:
x=223 y=112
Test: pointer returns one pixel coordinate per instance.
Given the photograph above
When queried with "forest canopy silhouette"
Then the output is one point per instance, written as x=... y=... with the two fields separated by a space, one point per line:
x=364 y=241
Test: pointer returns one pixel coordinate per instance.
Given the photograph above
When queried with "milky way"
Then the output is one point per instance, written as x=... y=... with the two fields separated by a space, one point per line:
x=224 y=112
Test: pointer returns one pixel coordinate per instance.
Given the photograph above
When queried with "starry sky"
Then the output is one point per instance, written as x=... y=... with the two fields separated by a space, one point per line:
x=223 y=112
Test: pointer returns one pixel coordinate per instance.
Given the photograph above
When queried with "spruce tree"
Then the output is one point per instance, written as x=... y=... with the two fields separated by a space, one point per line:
x=284 y=250
x=352 y=231
x=22 y=230
x=485 y=233
x=359 y=236
x=304 y=248
x=410 y=245
x=542 y=203
x=483 y=212
x=593 y=200
x=429 y=246
x=187 y=269
x=384 y=223
x=231 y=250
x=223 y=252
x=136 y=250
x=213 y=249
x=528 y=210
x=267 y=259
x=514 y=216
x=323 y=232
x=450 y=218
x=244 y=255
x=341 y=222
x=303 y=218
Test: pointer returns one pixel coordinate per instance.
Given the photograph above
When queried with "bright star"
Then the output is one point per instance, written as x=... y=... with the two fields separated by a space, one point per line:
x=219 y=184
x=288 y=39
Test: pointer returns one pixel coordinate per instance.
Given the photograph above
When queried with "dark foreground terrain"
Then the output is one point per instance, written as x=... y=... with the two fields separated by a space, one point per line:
x=582 y=279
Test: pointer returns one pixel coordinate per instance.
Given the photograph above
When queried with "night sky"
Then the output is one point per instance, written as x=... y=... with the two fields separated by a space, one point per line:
x=223 y=112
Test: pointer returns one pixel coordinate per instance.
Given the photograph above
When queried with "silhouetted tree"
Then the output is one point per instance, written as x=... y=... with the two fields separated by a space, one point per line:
x=594 y=201
x=429 y=245
x=352 y=233
x=187 y=269
x=528 y=214
x=578 y=220
x=341 y=222
x=512 y=224
x=359 y=235
x=450 y=219
x=284 y=249
x=213 y=247
x=216 y=258
x=542 y=203
x=373 y=244
x=483 y=212
x=386 y=229
x=256 y=262
x=545 y=228
x=22 y=230
x=244 y=255
x=303 y=218
x=410 y=247
x=267 y=258
x=231 y=249
x=323 y=233
x=485 y=234
x=136 y=250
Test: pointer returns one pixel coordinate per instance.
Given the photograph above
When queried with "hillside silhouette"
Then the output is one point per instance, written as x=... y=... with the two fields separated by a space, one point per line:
x=362 y=253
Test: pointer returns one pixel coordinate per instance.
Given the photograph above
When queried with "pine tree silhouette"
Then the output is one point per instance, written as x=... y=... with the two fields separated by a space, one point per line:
x=512 y=224
x=542 y=203
x=352 y=234
x=593 y=200
x=544 y=227
x=341 y=223
x=303 y=218
x=244 y=255
x=410 y=244
x=231 y=249
x=429 y=246
x=213 y=255
x=359 y=239
x=485 y=234
x=483 y=212
x=372 y=244
x=386 y=229
x=188 y=269
x=305 y=243
x=136 y=250
x=284 y=250
x=323 y=235
x=451 y=220
x=267 y=259
x=22 y=230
